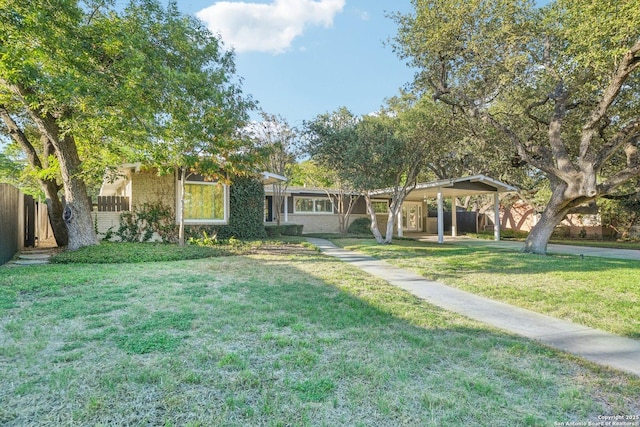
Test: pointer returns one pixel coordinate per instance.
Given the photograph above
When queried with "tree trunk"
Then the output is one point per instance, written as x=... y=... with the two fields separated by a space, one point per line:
x=394 y=210
x=554 y=213
x=342 y=227
x=77 y=212
x=347 y=212
x=279 y=193
x=391 y=217
x=374 y=221
x=48 y=186
x=55 y=211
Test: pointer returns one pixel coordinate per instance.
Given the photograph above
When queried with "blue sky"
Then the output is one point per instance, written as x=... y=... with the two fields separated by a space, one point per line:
x=301 y=58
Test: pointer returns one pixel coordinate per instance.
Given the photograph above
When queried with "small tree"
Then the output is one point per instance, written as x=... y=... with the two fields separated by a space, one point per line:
x=196 y=106
x=340 y=191
x=369 y=153
x=279 y=144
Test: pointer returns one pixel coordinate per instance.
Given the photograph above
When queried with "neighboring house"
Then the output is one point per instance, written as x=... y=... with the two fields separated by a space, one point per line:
x=206 y=202
x=522 y=216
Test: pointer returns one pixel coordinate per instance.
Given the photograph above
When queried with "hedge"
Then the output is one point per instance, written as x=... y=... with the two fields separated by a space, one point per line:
x=283 y=230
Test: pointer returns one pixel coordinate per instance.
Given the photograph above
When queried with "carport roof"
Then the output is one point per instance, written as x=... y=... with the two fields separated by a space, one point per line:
x=454 y=187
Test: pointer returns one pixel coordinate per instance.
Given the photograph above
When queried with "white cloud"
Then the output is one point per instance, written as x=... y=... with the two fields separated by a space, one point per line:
x=267 y=27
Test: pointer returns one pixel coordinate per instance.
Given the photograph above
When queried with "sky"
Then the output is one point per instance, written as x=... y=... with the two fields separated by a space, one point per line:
x=302 y=58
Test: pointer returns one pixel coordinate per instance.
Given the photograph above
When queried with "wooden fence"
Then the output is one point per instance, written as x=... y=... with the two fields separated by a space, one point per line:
x=11 y=221
x=113 y=203
x=467 y=221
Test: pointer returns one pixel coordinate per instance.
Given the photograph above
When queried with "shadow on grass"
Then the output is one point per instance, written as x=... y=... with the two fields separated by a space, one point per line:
x=291 y=340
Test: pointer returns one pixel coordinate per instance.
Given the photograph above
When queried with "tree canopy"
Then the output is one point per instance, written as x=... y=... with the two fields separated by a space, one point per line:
x=84 y=85
x=560 y=83
x=368 y=153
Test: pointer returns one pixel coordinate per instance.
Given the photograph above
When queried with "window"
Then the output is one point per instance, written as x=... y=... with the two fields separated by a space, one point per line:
x=380 y=206
x=318 y=205
x=205 y=202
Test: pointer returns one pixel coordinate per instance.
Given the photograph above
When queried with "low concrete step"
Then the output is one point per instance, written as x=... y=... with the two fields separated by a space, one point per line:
x=32 y=256
x=30 y=261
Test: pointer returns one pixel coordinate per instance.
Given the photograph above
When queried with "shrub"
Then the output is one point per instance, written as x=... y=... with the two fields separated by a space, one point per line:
x=561 y=232
x=513 y=234
x=140 y=224
x=283 y=230
x=360 y=226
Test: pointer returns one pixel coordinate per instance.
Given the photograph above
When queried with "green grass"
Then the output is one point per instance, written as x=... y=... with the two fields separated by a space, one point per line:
x=288 y=338
x=596 y=292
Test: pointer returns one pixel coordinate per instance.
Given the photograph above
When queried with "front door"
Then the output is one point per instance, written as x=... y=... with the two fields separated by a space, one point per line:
x=412 y=216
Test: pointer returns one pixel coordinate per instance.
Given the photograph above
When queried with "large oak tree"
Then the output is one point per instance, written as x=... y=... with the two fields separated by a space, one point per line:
x=561 y=83
x=98 y=85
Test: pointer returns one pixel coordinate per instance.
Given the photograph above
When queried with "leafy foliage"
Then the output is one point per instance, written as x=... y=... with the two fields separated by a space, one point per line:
x=560 y=83
x=95 y=85
x=128 y=252
x=148 y=219
x=284 y=230
x=279 y=145
x=360 y=226
x=369 y=152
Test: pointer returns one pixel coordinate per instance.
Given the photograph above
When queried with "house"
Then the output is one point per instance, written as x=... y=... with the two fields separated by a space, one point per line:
x=208 y=203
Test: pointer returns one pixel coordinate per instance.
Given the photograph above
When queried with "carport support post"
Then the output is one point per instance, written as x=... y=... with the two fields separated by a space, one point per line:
x=454 y=217
x=286 y=208
x=496 y=216
x=440 y=217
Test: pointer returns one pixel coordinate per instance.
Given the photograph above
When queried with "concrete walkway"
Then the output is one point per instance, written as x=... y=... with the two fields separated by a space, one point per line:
x=551 y=248
x=591 y=344
x=32 y=256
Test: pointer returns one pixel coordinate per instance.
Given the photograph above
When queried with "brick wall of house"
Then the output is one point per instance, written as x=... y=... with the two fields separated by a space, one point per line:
x=149 y=187
x=105 y=221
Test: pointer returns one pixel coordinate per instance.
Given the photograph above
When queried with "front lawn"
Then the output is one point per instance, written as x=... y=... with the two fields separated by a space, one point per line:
x=289 y=337
x=597 y=292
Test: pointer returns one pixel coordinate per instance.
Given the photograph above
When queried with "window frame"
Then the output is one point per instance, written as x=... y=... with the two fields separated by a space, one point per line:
x=212 y=221
x=313 y=200
x=378 y=201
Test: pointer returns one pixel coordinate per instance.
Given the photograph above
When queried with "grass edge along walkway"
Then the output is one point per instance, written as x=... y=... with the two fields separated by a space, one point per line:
x=591 y=344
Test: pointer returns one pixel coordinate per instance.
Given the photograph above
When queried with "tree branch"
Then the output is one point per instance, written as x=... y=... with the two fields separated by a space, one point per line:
x=563 y=161
x=618 y=179
x=623 y=136
x=18 y=135
x=530 y=107
x=630 y=62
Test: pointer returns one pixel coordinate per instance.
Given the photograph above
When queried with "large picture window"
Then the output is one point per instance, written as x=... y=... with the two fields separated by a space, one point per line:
x=205 y=202
x=316 y=205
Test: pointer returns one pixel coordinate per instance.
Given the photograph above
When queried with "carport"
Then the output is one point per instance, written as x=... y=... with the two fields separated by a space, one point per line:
x=455 y=187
